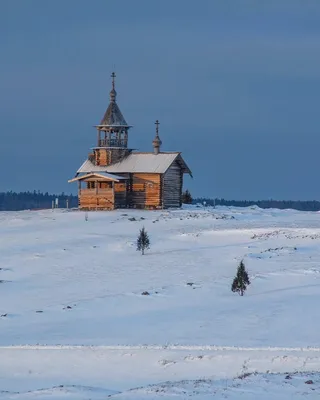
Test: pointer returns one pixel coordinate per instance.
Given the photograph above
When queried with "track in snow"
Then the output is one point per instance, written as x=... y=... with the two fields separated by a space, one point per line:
x=162 y=347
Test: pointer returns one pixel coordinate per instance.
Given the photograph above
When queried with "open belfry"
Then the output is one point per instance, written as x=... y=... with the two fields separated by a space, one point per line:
x=115 y=176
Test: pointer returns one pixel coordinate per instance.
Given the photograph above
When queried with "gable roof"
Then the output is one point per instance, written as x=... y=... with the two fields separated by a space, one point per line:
x=144 y=162
x=88 y=166
x=148 y=163
x=101 y=175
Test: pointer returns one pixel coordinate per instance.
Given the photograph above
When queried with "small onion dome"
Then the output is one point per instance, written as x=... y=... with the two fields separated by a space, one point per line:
x=156 y=141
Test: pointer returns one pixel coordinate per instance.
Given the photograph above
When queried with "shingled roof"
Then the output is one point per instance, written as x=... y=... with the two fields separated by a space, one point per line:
x=113 y=116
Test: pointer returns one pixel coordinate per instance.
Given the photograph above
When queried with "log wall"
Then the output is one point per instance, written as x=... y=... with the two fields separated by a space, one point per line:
x=145 y=190
x=172 y=186
x=96 y=199
x=102 y=157
x=108 y=156
x=120 y=194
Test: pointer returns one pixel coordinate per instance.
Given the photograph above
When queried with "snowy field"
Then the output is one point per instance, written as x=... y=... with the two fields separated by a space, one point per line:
x=75 y=325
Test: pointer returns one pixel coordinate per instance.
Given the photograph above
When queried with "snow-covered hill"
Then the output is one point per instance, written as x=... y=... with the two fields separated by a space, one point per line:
x=67 y=282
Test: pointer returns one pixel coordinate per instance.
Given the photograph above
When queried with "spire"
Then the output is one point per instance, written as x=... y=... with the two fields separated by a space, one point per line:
x=113 y=116
x=156 y=143
x=113 y=76
x=113 y=93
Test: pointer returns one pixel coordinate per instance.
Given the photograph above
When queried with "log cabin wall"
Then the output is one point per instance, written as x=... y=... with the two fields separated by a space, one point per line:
x=145 y=190
x=101 y=157
x=120 y=194
x=97 y=196
x=105 y=157
x=172 y=186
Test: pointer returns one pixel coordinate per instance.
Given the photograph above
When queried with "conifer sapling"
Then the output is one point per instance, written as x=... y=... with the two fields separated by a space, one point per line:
x=241 y=281
x=143 y=241
x=186 y=197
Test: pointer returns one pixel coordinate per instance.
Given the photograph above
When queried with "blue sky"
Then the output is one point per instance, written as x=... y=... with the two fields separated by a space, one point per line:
x=235 y=85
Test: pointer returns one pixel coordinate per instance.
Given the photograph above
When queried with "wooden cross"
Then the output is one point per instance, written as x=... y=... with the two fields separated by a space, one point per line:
x=157 y=123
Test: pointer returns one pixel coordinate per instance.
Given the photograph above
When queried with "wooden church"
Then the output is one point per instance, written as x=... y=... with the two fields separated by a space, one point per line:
x=115 y=176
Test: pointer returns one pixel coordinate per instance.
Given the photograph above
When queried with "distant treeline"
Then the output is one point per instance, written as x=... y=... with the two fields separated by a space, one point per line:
x=281 y=204
x=12 y=201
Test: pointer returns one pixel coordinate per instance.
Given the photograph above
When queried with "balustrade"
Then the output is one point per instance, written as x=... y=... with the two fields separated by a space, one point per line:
x=113 y=143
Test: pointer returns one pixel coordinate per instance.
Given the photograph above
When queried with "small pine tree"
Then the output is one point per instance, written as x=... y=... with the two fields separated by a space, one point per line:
x=186 y=197
x=143 y=241
x=241 y=281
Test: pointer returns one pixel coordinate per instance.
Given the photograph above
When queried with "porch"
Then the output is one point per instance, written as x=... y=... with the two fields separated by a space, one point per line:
x=101 y=191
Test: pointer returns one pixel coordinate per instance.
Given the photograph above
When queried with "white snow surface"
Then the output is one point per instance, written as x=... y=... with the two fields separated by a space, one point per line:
x=74 y=324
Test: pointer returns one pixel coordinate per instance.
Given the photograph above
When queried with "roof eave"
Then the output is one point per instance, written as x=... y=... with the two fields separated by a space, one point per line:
x=79 y=178
x=183 y=164
x=101 y=126
x=185 y=168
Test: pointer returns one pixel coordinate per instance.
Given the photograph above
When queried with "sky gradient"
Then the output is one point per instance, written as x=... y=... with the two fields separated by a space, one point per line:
x=235 y=85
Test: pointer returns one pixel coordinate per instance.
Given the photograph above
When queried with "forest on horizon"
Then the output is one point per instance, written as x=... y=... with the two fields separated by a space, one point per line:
x=33 y=200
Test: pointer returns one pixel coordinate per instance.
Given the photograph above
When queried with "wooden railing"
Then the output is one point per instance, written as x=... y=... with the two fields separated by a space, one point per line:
x=96 y=191
x=113 y=143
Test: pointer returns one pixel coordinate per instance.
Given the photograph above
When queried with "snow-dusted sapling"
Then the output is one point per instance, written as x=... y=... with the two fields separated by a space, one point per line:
x=241 y=281
x=143 y=241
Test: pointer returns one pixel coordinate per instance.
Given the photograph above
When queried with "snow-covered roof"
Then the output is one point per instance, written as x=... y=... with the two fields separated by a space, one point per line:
x=88 y=166
x=144 y=162
x=148 y=163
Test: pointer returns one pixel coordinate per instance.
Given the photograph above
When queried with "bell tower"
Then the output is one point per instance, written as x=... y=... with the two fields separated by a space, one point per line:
x=112 y=133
